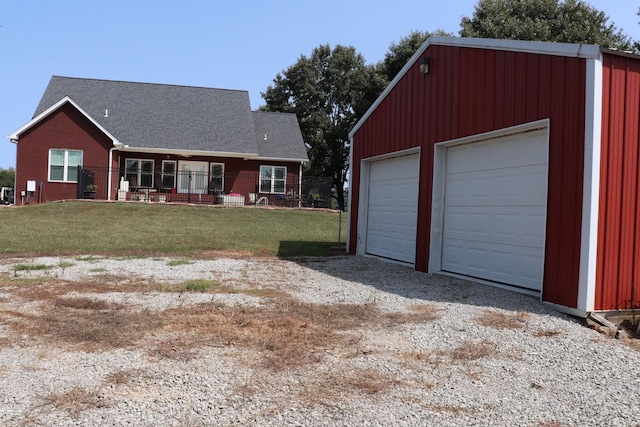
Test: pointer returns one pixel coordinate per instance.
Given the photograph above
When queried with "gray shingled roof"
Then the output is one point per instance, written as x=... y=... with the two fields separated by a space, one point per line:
x=159 y=116
x=278 y=135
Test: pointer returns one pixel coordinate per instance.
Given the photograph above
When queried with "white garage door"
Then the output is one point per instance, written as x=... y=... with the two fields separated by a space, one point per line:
x=392 y=213
x=495 y=209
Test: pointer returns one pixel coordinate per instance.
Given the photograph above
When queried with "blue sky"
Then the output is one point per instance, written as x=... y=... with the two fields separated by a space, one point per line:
x=230 y=44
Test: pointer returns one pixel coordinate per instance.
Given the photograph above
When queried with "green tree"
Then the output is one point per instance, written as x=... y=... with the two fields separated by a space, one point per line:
x=571 y=21
x=400 y=53
x=328 y=91
x=7 y=177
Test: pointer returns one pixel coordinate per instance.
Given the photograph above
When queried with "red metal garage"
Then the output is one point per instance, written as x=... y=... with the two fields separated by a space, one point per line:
x=528 y=168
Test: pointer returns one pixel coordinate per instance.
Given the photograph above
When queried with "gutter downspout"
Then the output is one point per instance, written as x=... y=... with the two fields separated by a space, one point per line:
x=116 y=146
x=300 y=187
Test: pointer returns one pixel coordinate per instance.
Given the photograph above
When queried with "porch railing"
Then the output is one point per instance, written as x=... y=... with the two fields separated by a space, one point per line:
x=196 y=187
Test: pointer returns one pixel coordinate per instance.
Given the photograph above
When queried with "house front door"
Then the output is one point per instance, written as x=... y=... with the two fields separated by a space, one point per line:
x=192 y=177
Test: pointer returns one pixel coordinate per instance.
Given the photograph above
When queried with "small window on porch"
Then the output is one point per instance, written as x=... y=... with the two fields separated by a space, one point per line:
x=216 y=177
x=139 y=173
x=168 y=174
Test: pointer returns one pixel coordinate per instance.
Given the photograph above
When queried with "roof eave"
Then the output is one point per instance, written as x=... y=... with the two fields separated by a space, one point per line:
x=187 y=153
x=278 y=159
x=15 y=136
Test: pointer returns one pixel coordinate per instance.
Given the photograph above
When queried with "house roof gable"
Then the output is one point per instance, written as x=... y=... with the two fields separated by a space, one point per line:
x=46 y=113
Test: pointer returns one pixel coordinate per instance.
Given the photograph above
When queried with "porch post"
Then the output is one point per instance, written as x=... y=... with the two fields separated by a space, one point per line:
x=116 y=146
x=300 y=187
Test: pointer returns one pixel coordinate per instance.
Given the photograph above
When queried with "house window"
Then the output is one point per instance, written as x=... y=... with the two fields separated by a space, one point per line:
x=216 y=177
x=63 y=165
x=168 y=174
x=273 y=179
x=139 y=173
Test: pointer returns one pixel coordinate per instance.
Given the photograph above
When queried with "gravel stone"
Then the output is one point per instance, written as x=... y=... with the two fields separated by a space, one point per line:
x=550 y=370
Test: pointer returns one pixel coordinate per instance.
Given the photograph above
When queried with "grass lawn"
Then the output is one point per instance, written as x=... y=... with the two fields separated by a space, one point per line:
x=141 y=229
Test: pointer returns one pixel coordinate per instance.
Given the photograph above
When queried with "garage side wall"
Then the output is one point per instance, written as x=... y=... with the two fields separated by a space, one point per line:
x=618 y=271
x=471 y=91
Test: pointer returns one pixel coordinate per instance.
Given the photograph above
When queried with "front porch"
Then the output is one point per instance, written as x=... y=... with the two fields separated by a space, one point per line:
x=193 y=187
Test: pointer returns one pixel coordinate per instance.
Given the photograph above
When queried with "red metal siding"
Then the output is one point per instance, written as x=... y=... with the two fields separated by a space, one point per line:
x=471 y=91
x=66 y=128
x=617 y=272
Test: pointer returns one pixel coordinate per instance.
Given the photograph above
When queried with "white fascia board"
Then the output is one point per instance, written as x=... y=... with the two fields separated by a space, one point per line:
x=15 y=136
x=587 y=51
x=189 y=153
x=277 y=159
x=590 y=186
x=194 y=153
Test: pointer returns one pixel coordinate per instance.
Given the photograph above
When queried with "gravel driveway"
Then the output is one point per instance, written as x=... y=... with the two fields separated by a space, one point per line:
x=417 y=349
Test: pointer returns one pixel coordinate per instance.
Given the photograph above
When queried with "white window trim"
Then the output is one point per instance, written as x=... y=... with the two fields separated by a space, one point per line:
x=139 y=170
x=173 y=174
x=273 y=179
x=65 y=165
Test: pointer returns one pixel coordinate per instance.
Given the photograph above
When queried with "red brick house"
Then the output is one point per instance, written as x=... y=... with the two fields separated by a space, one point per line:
x=141 y=141
x=512 y=163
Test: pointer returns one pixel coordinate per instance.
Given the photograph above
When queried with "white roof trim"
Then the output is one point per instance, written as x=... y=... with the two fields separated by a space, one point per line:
x=543 y=48
x=278 y=159
x=587 y=51
x=190 y=153
x=194 y=153
x=15 y=136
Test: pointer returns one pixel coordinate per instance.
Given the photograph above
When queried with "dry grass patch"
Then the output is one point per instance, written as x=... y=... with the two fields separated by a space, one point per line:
x=83 y=324
x=329 y=388
x=180 y=348
x=500 y=320
x=48 y=290
x=370 y=381
x=109 y=282
x=470 y=351
x=547 y=334
x=449 y=408
x=284 y=331
x=74 y=401
x=83 y=303
x=288 y=333
x=89 y=258
x=263 y=292
x=123 y=377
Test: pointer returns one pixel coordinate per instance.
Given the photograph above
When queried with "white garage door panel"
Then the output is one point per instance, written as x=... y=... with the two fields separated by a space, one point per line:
x=525 y=185
x=495 y=209
x=506 y=225
x=494 y=262
x=509 y=151
x=393 y=208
